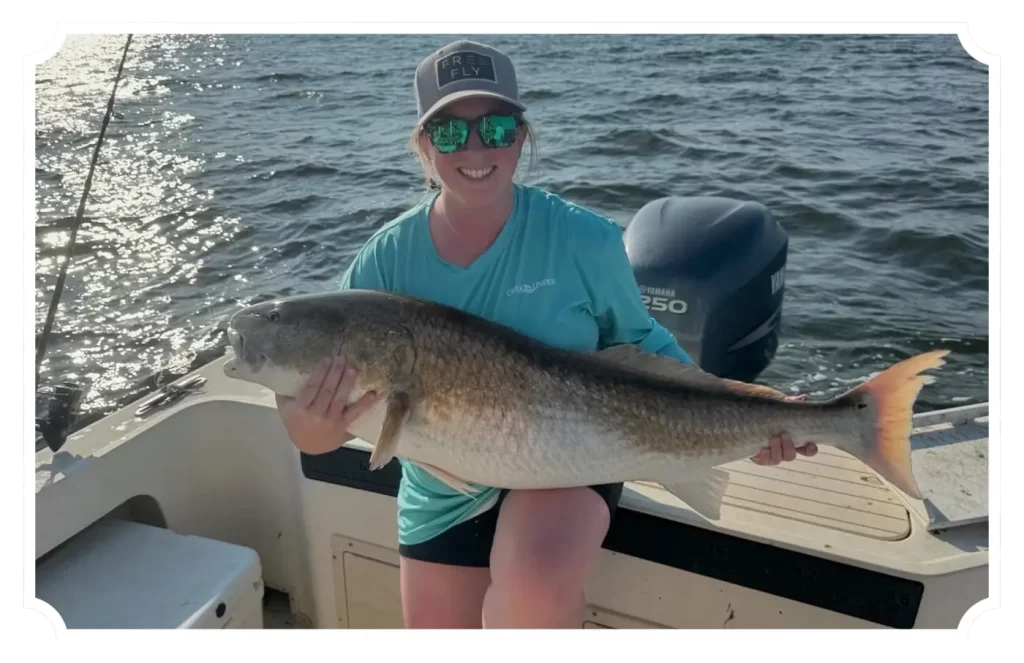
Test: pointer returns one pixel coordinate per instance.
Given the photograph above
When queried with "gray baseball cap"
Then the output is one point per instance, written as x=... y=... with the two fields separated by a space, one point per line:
x=464 y=69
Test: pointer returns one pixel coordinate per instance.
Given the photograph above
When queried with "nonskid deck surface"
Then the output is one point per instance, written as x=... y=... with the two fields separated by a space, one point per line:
x=950 y=460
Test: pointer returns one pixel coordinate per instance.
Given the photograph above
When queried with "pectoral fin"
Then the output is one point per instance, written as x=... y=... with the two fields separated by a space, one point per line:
x=703 y=494
x=387 y=441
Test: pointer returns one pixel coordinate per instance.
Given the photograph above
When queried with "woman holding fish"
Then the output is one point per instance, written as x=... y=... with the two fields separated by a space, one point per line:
x=530 y=260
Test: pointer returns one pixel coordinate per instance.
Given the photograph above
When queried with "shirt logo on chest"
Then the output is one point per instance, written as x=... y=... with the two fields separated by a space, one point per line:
x=529 y=288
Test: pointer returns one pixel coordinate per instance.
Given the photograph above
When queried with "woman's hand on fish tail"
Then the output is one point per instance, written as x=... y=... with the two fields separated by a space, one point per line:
x=317 y=420
x=781 y=448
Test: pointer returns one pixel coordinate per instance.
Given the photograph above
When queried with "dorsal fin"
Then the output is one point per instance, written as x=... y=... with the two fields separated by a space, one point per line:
x=675 y=370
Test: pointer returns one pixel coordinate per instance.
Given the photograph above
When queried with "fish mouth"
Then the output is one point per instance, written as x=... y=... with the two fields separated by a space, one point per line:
x=244 y=352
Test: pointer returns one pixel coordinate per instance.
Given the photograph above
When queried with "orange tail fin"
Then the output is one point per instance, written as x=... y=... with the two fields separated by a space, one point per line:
x=890 y=398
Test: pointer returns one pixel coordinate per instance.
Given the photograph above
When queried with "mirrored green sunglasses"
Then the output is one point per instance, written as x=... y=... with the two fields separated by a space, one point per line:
x=450 y=134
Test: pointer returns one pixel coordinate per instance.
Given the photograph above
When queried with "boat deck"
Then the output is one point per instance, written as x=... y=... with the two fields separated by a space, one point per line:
x=950 y=459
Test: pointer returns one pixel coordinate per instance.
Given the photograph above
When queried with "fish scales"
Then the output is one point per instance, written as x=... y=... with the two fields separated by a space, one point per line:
x=486 y=400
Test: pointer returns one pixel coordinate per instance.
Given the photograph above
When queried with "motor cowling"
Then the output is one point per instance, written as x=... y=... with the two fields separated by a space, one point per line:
x=712 y=271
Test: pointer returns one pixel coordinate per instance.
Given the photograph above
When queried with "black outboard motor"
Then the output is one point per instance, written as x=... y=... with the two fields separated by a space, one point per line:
x=712 y=271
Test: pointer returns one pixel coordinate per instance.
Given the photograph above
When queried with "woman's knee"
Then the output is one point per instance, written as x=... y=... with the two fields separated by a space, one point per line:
x=441 y=596
x=545 y=547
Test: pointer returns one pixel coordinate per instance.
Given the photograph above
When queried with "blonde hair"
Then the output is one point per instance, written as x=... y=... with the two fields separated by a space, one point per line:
x=431 y=183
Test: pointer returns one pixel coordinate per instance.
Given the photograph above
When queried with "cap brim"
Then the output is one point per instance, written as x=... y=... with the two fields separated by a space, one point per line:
x=465 y=94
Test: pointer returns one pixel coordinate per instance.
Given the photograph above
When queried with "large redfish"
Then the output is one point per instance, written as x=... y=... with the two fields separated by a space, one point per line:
x=475 y=402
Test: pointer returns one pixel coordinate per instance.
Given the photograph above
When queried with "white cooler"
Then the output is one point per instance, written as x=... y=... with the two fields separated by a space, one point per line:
x=120 y=574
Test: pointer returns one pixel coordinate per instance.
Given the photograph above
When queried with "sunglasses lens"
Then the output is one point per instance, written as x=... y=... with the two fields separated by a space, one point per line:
x=498 y=130
x=449 y=135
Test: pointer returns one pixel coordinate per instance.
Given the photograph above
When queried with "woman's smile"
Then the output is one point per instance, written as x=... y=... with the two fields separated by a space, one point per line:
x=477 y=174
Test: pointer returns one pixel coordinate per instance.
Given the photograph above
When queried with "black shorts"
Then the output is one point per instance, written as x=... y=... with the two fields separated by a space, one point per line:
x=469 y=543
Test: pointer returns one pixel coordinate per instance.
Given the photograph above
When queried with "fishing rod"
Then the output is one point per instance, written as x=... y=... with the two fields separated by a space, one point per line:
x=54 y=416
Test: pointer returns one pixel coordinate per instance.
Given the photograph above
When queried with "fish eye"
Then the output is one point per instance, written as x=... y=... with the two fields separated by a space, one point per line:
x=274 y=316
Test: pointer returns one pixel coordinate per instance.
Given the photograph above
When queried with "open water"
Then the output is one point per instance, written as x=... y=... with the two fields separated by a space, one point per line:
x=244 y=167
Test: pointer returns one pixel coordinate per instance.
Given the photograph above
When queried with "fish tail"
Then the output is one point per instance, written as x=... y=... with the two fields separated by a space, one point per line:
x=887 y=401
